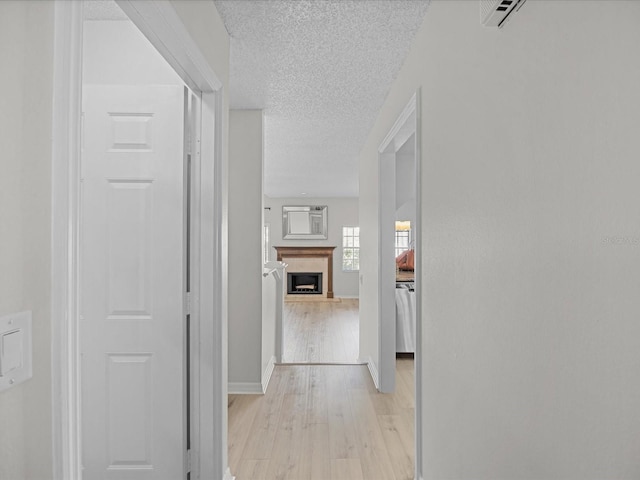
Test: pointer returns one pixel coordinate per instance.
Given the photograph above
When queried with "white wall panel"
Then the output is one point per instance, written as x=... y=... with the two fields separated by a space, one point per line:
x=114 y=49
x=26 y=39
x=245 y=246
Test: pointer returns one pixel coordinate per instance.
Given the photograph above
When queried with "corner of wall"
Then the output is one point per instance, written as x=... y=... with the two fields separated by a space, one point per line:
x=373 y=370
x=266 y=375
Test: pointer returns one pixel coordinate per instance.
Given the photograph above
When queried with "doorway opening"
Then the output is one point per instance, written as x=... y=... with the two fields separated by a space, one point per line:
x=399 y=292
x=321 y=317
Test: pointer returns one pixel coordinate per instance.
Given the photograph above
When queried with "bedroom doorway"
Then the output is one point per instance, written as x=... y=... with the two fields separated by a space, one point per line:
x=399 y=321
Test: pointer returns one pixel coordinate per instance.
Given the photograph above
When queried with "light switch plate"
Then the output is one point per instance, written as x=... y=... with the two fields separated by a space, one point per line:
x=15 y=349
x=10 y=351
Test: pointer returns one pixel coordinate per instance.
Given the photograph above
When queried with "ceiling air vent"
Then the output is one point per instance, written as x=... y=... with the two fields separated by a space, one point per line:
x=494 y=13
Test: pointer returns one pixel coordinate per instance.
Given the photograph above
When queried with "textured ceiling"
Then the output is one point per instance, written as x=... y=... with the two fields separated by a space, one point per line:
x=321 y=70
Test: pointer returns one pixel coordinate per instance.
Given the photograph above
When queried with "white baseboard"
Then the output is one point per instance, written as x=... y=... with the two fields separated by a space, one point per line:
x=373 y=370
x=228 y=476
x=266 y=376
x=240 y=388
x=244 y=388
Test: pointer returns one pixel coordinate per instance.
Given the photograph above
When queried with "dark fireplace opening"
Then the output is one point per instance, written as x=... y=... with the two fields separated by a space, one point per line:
x=304 y=283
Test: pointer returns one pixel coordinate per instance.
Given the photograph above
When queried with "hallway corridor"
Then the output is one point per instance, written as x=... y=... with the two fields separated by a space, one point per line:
x=324 y=422
x=321 y=331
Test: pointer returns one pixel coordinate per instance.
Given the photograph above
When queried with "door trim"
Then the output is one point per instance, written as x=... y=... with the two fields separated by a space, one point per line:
x=408 y=122
x=65 y=180
x=401 y=130
x=163 y=27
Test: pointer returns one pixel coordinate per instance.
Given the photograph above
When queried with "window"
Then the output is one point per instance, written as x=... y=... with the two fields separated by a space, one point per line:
x=350 y=249
x=403 y=236
x=265 y=253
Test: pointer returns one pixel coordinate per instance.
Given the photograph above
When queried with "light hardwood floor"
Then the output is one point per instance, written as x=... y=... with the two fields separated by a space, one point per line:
x=324 y=422
x=321 y=331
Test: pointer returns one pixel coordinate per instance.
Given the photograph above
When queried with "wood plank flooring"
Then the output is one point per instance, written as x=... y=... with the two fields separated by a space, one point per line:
x=321 y=331
x=324 y=422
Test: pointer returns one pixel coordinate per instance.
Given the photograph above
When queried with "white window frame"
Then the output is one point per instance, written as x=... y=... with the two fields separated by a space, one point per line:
x=402 y=248
x=266 y=246
x=355 y=234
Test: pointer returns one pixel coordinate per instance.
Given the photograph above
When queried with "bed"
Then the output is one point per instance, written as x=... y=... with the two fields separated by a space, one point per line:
x=405 y=303
x=405 y=317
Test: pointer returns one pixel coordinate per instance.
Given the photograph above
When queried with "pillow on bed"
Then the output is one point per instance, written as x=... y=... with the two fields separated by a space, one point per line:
x=404 y=261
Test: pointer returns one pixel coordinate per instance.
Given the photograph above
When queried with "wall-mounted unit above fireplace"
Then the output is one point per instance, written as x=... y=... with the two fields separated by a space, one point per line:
x=304 y=283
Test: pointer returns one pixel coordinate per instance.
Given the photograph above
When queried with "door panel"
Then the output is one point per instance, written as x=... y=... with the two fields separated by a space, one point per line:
x=129 y=233
x=128 y=421
x=132 y=270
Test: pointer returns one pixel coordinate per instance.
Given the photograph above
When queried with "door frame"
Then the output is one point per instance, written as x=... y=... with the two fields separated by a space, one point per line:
x=408 y=123
x=159 y=22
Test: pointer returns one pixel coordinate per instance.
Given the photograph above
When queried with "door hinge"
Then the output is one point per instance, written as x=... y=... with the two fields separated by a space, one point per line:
x=191 y=460
x=187 y=303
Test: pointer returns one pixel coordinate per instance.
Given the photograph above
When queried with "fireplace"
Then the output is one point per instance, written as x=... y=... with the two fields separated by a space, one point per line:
x=310 y=259
x=304 y=283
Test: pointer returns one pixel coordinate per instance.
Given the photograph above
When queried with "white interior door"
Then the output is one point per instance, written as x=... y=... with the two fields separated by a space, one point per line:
x=132 y=282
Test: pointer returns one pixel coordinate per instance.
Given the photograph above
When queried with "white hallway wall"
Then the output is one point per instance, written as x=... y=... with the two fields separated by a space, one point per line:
x=341 y=212
x=405 y=182
x=531 y=239
x=26 y=39
x=26 y=54
x=245 y=247
x=116 y=52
